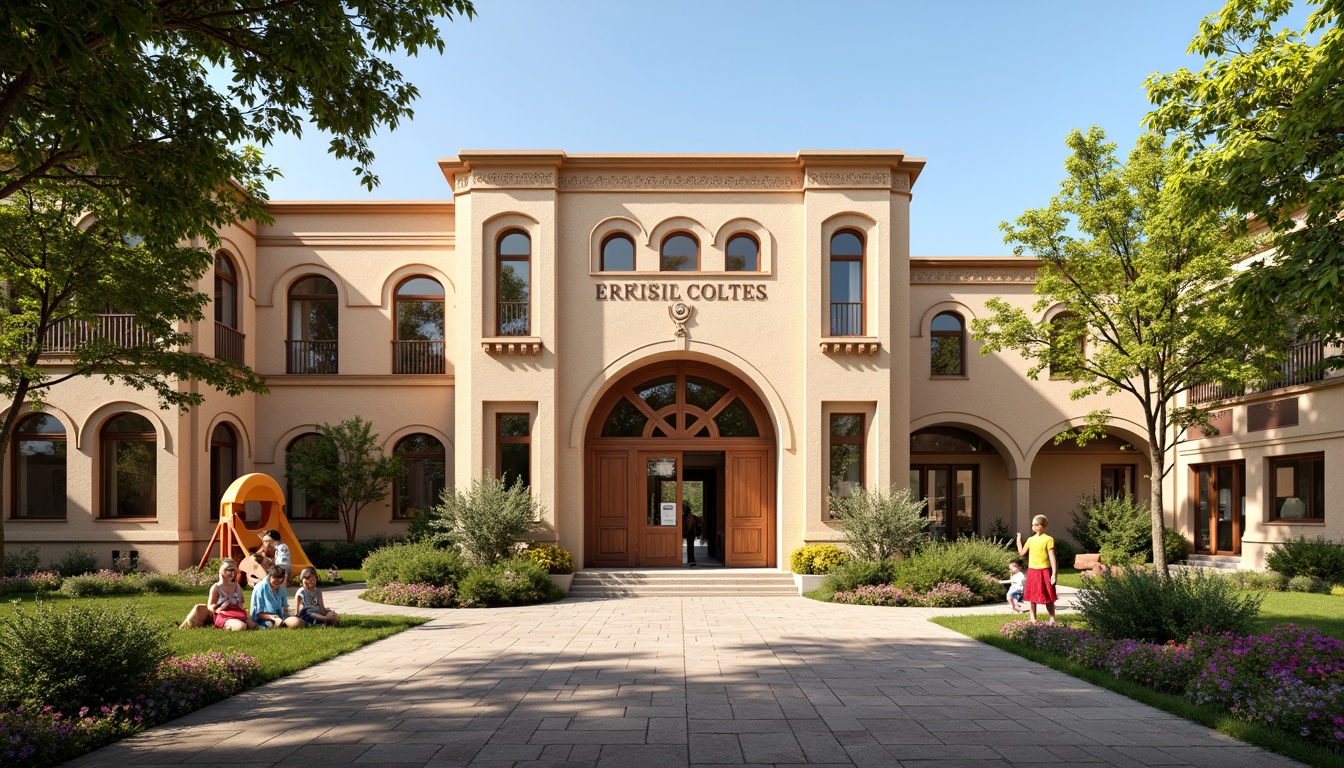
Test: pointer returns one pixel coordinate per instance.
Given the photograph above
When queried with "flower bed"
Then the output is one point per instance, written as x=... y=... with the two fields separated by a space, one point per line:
x=1291 y=678
x=34 y=737
x=413 y=595
x=944 y=595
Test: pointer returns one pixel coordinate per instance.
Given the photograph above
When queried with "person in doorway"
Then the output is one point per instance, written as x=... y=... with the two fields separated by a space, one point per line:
x=690 y=530
x=1042 y=568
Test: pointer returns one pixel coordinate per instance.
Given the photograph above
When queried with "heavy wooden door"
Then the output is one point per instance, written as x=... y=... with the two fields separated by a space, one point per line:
x=660 y=525
x=610 y=491
x=749 y=531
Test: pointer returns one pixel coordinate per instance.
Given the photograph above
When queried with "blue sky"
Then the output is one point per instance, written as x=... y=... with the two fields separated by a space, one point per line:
x=985 y=91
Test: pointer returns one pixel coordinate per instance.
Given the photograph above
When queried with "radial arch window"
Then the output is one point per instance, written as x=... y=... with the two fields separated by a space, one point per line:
x=513 y=283
x=847 y=283
x=129 y=449
x=314 y=330
x=298 y=504
x=39 y=468
x=681 y=401
x=424 y=470
x=679 y=252
x=223 y=464
x=947 y=345
x=419 y=320
x=743 y=253
x=618 y=253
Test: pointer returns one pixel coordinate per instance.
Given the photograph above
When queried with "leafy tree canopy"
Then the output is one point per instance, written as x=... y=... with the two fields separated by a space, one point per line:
x=343 y=470
x=1264 y=118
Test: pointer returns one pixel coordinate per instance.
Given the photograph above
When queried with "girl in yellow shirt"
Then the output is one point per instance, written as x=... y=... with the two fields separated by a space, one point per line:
x=1042 y=568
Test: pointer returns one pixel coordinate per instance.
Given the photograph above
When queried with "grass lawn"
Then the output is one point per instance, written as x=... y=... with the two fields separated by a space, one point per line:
x=278 y=651
x=1325 y=612
x=349 y=575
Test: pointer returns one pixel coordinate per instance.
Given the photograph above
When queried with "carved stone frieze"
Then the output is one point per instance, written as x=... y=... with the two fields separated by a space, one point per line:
x=848 y=179
x=901 y=182
x=680 y=181
x=972 y=276
x=869 y=348
x=497 y=179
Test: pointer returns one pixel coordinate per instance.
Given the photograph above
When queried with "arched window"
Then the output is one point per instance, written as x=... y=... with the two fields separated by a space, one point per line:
x=514 y=284
x=223 y=465
x=423 y=473
x=744 y=254
x=39 y=468
x=228 y=341
x=313 y=326
x=130 y=467
x=680 y=253
x=847 y=312
x=298 y=505
x=1068 y=345
x=419 y=321
x=947 y=345
x=618 y=253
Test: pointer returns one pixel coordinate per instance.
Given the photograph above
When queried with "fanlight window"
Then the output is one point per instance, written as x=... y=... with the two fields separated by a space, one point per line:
x=680 y=405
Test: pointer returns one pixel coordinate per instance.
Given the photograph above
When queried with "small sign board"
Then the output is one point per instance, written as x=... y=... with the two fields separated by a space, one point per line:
x=668 y=513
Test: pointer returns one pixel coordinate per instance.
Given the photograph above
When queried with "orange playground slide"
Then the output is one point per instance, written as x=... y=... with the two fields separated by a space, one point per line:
x=238 y=538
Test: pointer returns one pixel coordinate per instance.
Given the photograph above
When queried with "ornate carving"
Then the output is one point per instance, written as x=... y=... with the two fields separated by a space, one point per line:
x=512 y=179
x=680 y=314
x=848 y=179
x=901 y=182
x=972 y=276
x=511 y=348
x=658 y=181
x=850 y=348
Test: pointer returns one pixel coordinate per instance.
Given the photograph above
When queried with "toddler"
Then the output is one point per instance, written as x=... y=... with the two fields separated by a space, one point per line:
x=308 y=603
x=1017 y=584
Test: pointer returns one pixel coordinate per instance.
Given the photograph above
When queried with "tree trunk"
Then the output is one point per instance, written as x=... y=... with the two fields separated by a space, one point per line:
x=1155 y=506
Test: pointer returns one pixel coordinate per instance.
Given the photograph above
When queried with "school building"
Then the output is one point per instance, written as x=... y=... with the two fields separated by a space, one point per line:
x=623 y=333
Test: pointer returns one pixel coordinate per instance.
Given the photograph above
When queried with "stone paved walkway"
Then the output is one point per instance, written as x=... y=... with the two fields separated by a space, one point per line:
x=654 y=682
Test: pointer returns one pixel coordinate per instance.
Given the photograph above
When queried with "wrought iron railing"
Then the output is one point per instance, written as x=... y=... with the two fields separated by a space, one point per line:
x=846 y=318
x=417 y=356
x=514 y=318
x=228 y=344
x=306 y=357
x=1302 y=365
x=70 y=335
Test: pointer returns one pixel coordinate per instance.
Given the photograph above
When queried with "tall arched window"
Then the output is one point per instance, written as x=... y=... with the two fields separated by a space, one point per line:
x=947 y=345
x=130 y=467
x=228 y=341
x=1068 y=345
x=618 y=253
x=298 y=505
x=847 y=313
x=513 y=284
x=423 y=475
x=680 y=253
x=744 y=254
x=419 y=319
x=223 y=465
x=39 y=468
x=313 y=326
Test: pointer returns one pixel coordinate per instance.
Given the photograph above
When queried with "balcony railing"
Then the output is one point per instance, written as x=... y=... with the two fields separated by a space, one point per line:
x=70 y=335
x=306 y=357
x=228 y=344
x=846 y=318
x=513 y=318
x=417 y=356
x=1300 y=366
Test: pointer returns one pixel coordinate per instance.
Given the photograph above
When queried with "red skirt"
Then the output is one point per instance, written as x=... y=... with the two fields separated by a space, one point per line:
x=1039 y=589
x=224 y=614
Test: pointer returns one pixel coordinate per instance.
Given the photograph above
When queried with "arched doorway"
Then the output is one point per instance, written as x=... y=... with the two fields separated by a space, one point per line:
x=666 y=430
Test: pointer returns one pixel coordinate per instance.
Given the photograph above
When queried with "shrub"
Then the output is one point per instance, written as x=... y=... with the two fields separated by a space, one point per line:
x=946 y=564
x=76 y=562
x=816 y=558
x=40 y=581
x=1065 y=552
x=985 y=555
x=163 y=583
x=100 y=584
x=196 y=578
x=1308 y=557
x=343 y=554
x=1177 y=547
x=1120 y=522
x=999 y=531
x=881 y=526
x=518 y=581
x=421 y=563
x=486 y=521
x=878 y=594
x=1337 y=590
x=556 y=560
x=413 y=595
x=22 y=562
x=860 y=573
x=1307 y=584
x=81 y=655
x=948 y=595
x=1142 y=605
x=1118 y=557
x=1268 y=580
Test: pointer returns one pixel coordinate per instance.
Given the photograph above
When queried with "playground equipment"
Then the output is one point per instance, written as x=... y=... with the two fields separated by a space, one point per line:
x=238 y=538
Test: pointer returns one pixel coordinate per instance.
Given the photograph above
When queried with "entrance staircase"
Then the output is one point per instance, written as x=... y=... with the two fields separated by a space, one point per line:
x=1215 y=563
x=683 y=582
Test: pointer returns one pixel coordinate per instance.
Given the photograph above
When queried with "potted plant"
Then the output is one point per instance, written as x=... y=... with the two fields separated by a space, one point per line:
x=811 y=563
x=557 y=561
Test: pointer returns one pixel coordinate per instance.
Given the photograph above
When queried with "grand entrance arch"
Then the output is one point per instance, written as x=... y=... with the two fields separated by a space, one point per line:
x=660 y=433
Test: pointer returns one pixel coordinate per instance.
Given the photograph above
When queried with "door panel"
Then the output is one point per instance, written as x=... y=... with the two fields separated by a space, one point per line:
x=611 y=498
x=750 y=488
x=1219 y=507
x=660 y=538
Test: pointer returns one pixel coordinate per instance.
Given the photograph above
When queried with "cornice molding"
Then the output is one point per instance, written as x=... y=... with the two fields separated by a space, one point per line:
x=706 y=182
x=358 y=240
x=359 y=207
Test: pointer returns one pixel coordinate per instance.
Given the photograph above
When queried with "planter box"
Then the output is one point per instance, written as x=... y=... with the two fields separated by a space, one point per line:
x=808 y=581
x=563 y=580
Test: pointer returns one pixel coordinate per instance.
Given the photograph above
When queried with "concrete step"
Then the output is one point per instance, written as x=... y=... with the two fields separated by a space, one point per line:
x=1212 y=562
x=679 y=582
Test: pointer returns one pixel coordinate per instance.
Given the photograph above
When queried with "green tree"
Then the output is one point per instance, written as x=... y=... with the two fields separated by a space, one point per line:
x=487 y=521
x=1264 y=118
x=343 y=470
x=881 y=525
x=1137 y=265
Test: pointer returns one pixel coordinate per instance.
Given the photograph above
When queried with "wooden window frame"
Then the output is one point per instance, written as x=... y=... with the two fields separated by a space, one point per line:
x=742 y=235
x=21 y=436
x=662 y=247
x=602 y=252
x=104 y=443
x=834 y=440
x=921 y=492
x=290 y=495
x=290 y=297
x=397 y=299
x=216 y=443
x=1133 y=470
x=862 y=259
x=499 y=273
x=960 y=335
x=501 y=440
x=442 y=455
x=231 y=280
x=1271 y=512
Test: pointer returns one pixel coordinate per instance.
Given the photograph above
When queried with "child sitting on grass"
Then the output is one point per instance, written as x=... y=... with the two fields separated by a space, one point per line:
x=308 y=604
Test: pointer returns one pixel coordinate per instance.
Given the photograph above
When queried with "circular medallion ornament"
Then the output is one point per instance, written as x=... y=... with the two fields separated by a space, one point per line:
x=680 y=313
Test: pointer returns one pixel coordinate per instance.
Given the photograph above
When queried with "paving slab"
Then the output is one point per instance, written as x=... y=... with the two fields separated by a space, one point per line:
x=677 y=681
